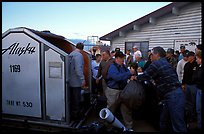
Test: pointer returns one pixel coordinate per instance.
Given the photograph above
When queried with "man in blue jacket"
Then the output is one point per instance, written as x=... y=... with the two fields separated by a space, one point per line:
x=116 y=79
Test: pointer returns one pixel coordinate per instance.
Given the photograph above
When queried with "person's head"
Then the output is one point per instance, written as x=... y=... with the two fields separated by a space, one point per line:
x=137 y=57
x=134 y=48
x=94 y=50
x=199 y=57
x=128 y=51
x=119 y=57
x=150 y=57
x=198 y=48
x=149 y=52
x=134 y=65
x=157 y=53
x=112 y=53
x=80 y=46
x=182 y=49
x=169 y=53
x=191 y=56
x=139 y=70
x=185 y=55
x=98 y=57
x=106 y=54
x=177 y=52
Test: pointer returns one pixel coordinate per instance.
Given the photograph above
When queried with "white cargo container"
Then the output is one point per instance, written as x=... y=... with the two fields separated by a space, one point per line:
x=35 y=76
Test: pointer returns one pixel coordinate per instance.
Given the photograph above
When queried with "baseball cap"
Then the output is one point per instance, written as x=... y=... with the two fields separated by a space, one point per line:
x=185 y=54
x=191 y=53
x=182 y=47
x=170 y=50
x=113 y=51
x=119 y=54
x=134 y=47
x=199 y=46
x=117 y=49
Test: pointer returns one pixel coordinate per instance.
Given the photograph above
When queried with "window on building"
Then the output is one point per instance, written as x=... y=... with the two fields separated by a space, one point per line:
x=142 y=46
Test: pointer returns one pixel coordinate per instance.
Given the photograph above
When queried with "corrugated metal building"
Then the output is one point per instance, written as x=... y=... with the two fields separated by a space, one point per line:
x=178 y=23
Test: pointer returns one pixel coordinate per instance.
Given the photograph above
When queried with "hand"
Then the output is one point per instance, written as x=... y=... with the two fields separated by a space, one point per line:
x=83 y=83
x=183 y=86
x=97 y=80
x=133 y=77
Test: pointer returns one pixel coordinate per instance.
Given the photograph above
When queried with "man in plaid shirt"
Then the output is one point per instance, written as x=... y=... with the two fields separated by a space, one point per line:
x=169 y=89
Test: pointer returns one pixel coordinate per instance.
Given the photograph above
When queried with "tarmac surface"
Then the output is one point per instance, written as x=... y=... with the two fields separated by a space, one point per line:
x=140 y=124
x=144 y=121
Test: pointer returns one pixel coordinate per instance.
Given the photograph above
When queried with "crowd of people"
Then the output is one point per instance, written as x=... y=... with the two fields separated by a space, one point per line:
x=175 y=76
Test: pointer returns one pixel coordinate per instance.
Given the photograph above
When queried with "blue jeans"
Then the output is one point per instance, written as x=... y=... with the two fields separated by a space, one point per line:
x=172 y=112
x=199 y=107
x=190 y=107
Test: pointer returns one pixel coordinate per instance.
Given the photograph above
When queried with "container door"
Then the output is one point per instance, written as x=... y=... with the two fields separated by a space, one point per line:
x=20 y=75
x=54 y=85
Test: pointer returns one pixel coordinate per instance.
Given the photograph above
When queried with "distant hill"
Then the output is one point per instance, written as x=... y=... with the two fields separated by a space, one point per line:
x=87 y=44
x=75 y=41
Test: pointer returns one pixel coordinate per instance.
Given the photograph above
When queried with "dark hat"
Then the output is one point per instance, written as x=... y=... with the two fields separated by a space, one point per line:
x=199 y=46
x=182 y=47
x=117 y=49
x=119 y=54
x=112 y=51
x=191 y=53
x=185 y=53
x=170 y=50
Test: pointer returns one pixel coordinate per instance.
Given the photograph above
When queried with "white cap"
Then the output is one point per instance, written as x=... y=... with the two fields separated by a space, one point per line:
x=134 y=47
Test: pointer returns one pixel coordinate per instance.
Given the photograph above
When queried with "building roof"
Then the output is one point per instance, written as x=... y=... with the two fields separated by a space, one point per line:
x=170 y=8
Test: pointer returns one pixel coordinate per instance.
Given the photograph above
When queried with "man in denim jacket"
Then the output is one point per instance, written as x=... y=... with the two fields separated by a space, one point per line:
x=76 y=80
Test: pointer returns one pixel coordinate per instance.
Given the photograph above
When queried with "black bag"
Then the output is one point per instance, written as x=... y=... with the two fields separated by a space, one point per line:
x=133 y=95
x=99 y=127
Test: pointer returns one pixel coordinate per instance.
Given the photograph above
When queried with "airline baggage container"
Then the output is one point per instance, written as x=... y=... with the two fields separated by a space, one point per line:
x=35 y=86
